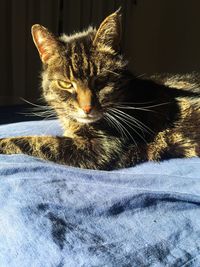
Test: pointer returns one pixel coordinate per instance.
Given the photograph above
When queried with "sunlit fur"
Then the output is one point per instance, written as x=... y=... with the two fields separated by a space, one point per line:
x=111 y=118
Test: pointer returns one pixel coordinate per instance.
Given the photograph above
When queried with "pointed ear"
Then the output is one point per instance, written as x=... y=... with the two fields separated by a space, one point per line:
x=46 y=43
x=109 y=33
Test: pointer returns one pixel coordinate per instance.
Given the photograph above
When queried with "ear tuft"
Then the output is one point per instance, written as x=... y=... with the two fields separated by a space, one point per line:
x=45 y=42
x=109 y=33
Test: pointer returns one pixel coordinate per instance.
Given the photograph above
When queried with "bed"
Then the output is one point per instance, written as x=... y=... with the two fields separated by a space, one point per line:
x=58 y=216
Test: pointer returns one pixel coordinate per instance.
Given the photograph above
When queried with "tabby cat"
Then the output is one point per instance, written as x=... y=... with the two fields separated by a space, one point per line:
x=111 y=118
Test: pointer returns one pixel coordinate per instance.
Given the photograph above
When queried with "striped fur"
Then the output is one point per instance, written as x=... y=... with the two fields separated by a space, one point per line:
x=111 y=119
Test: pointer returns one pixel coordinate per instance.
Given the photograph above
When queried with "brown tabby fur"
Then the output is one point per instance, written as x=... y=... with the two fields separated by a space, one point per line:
x=111 y=119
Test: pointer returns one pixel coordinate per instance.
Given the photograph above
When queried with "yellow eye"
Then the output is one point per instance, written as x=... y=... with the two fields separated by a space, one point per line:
x=65 y=85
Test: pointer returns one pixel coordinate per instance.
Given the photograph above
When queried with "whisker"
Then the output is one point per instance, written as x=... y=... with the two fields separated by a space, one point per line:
x=141 y=75
x=124 y=129
x=110 y=121
x=134 y=120
x=43 y=111
x=38 y=113
x=47 y=108
x=135 y=103
x=113 y=72
x=130 y=120
x=28 y=111
x=145 y=126
x=135 y=108
x=128 y=124
x=33 y=104
x=150 y=106
x=117 y=125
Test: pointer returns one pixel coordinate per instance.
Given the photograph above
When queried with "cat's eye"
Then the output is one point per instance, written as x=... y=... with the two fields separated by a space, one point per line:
x=65 y=85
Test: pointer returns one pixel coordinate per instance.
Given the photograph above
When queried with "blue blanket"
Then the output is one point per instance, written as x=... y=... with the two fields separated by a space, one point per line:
x=58 y=216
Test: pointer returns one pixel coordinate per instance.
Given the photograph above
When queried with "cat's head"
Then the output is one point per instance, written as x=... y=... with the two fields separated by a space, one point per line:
x=82 y=72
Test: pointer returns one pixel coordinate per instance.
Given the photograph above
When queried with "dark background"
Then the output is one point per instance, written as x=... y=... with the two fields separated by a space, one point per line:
x=158 y=36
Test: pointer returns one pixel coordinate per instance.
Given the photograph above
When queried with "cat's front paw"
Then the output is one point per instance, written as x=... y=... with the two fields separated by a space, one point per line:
x=8 y=146
x=2 y=145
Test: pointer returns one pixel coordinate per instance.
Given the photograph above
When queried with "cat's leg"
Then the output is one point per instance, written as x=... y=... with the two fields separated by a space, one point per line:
x=62 y=150
x=57 y=149
x=46 y=147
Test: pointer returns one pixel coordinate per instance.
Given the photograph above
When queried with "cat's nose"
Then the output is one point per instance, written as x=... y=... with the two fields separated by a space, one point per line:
x=87 y=109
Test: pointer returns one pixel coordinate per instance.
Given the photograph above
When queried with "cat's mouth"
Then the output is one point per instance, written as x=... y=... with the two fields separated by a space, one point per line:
x=89 y=119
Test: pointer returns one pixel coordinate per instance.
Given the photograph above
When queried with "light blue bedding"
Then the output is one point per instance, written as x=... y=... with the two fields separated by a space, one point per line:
x=58 y=216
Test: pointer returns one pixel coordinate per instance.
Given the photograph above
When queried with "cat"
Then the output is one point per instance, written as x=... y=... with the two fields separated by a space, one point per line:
x=111 y=118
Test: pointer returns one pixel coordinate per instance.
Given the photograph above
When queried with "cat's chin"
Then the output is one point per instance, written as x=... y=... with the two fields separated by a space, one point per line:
x=88 y=120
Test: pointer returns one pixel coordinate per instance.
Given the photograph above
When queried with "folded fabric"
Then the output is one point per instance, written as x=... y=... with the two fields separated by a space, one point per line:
x=54 y=215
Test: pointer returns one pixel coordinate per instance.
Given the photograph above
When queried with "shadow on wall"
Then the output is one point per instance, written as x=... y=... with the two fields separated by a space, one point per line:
x=163 y=36
x=158 y=36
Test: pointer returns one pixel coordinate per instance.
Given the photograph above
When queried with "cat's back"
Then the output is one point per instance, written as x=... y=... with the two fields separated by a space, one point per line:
x=188 y=81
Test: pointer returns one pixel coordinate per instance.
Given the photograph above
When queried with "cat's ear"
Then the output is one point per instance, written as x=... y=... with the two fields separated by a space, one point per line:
x=109 y=33
x=46 y=42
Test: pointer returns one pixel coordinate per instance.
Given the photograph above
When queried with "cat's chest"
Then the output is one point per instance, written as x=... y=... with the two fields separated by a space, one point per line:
x=95 y=142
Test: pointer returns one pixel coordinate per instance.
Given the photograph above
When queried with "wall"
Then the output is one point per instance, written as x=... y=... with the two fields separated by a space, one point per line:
x=19 y=62
x=158 y=36
x=163 y=36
